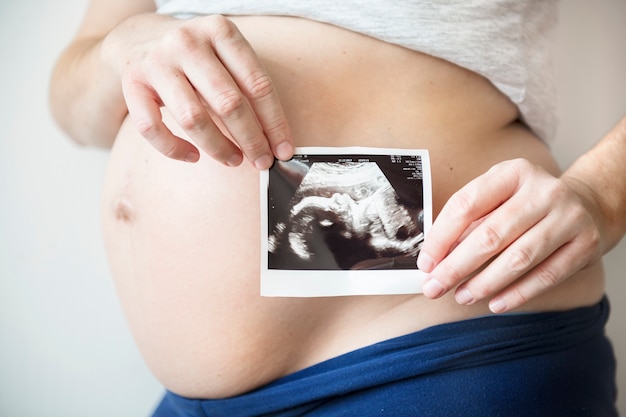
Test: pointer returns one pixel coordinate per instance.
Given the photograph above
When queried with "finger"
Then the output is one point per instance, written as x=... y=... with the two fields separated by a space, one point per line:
x=517 y=259
x=582 y=247
x=185 y=106
x=549 y=273
x=237 y=55
x=269 y=111
x=230 y=106
x=472 y=202
x=144 y=108
x=489 y=238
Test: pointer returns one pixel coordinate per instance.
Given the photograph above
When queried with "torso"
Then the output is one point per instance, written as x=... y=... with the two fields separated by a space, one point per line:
x=183 y=239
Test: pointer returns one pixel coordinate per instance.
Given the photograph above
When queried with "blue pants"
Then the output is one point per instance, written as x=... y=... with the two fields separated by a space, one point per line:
x=541 y=365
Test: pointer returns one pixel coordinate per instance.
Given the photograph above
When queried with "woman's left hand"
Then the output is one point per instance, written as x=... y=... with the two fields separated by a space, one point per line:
x=509 y=235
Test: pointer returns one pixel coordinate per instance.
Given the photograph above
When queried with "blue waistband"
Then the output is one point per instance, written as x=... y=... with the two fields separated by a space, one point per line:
x=557 y=363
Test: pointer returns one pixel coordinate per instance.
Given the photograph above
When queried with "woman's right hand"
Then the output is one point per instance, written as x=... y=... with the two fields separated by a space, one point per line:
x=206 y=74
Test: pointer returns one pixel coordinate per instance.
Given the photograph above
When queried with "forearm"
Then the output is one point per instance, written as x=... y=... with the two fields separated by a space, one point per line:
x=602 y=173
x=86 y=95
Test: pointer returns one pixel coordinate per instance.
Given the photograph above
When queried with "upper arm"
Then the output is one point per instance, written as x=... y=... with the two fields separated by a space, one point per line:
x=104 y=15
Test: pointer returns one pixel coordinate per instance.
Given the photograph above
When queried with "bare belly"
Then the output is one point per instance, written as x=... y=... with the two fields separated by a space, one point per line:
x=183 y=239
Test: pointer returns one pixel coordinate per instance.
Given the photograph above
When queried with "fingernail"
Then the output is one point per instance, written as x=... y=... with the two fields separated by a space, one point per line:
x=284 y=151
x=464 y=296
x=264 y=162
x=424 y=262
x=497 y=305
x=433 y=288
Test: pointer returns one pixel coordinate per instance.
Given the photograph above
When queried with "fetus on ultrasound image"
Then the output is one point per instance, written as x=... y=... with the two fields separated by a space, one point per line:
x=339 y=215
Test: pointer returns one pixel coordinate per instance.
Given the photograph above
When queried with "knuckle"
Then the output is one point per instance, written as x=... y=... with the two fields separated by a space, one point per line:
x=461 y=204
x=489 y=240
x=191 y=118
x=518 y=165
x=556 y=191
x=585 y=229
x=146 y=127
x=513 y=171
x=253 y=147
x=519 y=260
x=259 y=85
x=579 y=215
x=276 y=128
x=222 y=27
x=228 y=103
x=521 y=164
x=593 y=238
x=547 y=278
x=180 y=38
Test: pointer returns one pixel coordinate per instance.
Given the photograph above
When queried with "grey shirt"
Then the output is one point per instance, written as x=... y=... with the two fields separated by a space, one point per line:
x=506 y=41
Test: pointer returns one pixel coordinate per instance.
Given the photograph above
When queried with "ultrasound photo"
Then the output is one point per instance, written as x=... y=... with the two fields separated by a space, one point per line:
x=345 y=209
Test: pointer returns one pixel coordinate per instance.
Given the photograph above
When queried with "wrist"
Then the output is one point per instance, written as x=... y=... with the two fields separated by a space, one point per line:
x=597 y=178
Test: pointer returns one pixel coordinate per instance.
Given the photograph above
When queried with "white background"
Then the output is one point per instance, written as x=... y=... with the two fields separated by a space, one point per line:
x=64 y=348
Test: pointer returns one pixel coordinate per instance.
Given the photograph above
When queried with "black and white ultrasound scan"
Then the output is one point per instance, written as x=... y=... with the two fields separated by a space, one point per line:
x=344 y=221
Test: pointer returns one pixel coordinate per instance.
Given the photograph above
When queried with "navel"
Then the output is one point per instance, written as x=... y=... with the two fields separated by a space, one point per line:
x=123 y=209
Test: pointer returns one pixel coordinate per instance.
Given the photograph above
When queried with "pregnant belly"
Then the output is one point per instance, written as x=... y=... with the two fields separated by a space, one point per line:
x=183 y=244
x=183 y=240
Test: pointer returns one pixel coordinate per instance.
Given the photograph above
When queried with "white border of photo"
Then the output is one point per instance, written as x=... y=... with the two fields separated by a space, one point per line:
x=324 y=283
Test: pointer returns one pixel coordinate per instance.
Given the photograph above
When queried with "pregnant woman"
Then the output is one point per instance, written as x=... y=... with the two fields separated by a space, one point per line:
x=195 y=97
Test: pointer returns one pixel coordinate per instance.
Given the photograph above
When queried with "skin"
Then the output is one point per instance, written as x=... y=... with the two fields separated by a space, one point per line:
x=239 y=101
x=567 y=223
x=468 y=220
x=510 y=233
